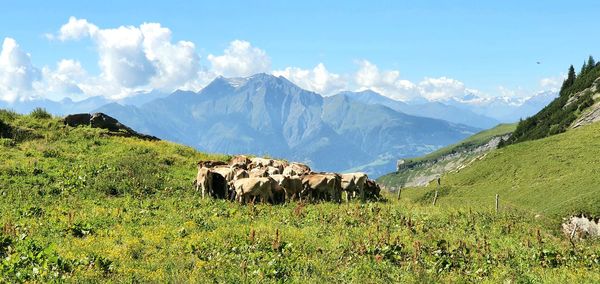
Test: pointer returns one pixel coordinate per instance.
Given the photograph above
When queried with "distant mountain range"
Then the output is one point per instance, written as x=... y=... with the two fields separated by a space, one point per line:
x=268 y=115
x=426 y=109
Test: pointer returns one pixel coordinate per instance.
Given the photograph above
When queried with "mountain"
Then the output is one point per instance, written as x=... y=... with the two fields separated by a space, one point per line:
x=62 y=107
x=267 y=115
x=436 y=110
x=503 y=109
x=68 y=106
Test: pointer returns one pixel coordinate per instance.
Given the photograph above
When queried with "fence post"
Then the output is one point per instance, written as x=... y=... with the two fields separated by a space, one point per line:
x=497 y=202
x=436 y=191
x=399 y=192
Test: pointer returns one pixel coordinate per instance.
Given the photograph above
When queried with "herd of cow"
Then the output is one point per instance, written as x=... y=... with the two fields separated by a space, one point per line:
x=247 y=179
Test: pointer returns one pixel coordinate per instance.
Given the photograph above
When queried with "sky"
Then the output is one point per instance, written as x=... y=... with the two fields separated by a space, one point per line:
x=402 y=49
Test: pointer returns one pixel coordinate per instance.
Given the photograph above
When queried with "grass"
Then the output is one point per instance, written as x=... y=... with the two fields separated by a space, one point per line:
x=555 y=176
x=413 y=170
x=80 y=205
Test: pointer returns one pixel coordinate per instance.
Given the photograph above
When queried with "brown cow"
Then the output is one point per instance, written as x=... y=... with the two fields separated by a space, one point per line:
x=296 y=169
x=280 y=164
x=211 y=164
x=204 y=180
x=354 y=184
x=262 y=187
x=258 y=172
x=292 y=185
x=240 y=161
x=372 y=190
x=260 y=162
x=322 y=185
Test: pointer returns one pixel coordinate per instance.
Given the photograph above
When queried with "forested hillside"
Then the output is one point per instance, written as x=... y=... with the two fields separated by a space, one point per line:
x=576 y=95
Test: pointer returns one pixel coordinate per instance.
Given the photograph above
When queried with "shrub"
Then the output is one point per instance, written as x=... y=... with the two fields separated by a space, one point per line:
x=5 y=130
x=40 y=113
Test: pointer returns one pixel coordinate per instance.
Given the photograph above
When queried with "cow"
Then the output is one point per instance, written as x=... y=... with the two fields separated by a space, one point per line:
x=228 y=173
x=273 y=170
x=260 y=162
x=354 y=184
x=240 y=162
x=372 y=190
x=261 y=187
x=204 y=180
x=291 y=185
x=240 y=173
x=296 y=169
x=211 y=164
x=280 y=164
x=258 y=172
x=322 y=185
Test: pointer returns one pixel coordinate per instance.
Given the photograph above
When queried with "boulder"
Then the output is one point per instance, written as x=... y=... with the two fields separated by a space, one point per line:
x=104 y=121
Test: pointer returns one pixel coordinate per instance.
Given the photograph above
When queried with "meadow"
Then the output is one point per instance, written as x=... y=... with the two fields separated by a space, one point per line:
x=86 y=205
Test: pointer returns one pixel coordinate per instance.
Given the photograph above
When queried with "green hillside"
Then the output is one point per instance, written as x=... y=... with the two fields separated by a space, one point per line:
x=432 y=164
x=87 y=205
x=554 y=176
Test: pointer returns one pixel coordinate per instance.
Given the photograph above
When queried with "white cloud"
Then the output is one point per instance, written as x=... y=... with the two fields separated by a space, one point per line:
x=63 y=81
x=76 y=29
x=319 y=79
x=443 y=88
x=387 y=83
x=17 y=74
x=134 y=58
x=552 y=83
x=240 y=59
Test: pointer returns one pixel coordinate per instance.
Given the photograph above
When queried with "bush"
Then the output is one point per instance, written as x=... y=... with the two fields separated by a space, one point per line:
x=40 y=113
x=5 y=130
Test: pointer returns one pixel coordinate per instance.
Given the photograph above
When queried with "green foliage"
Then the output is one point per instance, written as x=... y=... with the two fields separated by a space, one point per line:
x=59 y=223
x=558 y=115
x=40 y=113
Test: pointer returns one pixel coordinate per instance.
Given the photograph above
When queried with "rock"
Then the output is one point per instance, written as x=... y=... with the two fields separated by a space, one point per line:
x=581 y=227
x=104 y=121
x=101 y=120
x=75 y=120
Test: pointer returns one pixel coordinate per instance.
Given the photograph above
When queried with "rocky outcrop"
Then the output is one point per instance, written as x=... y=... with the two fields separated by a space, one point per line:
x=581 y=227
x=101 y=120
x=423 y=172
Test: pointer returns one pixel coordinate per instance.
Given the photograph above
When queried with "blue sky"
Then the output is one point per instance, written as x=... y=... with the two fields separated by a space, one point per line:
x=483 y=44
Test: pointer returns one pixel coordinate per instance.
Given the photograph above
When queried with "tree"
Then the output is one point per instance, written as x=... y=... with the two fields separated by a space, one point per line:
x=570 y=79
x=584 y=68
x=591 y=63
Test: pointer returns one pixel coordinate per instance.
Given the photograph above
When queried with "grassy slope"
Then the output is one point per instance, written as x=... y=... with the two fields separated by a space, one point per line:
x=554 y=176
x=472 y=141
x=395 y=179
x=88 y=207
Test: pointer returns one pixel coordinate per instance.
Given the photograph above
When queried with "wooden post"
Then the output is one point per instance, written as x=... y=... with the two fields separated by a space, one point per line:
x=436 y=191
x=497 y=202
x=399 y=192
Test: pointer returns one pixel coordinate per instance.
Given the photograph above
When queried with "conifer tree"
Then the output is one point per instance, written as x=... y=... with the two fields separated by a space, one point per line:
x=584 y=68
x=591 y=63
x=570 y=79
